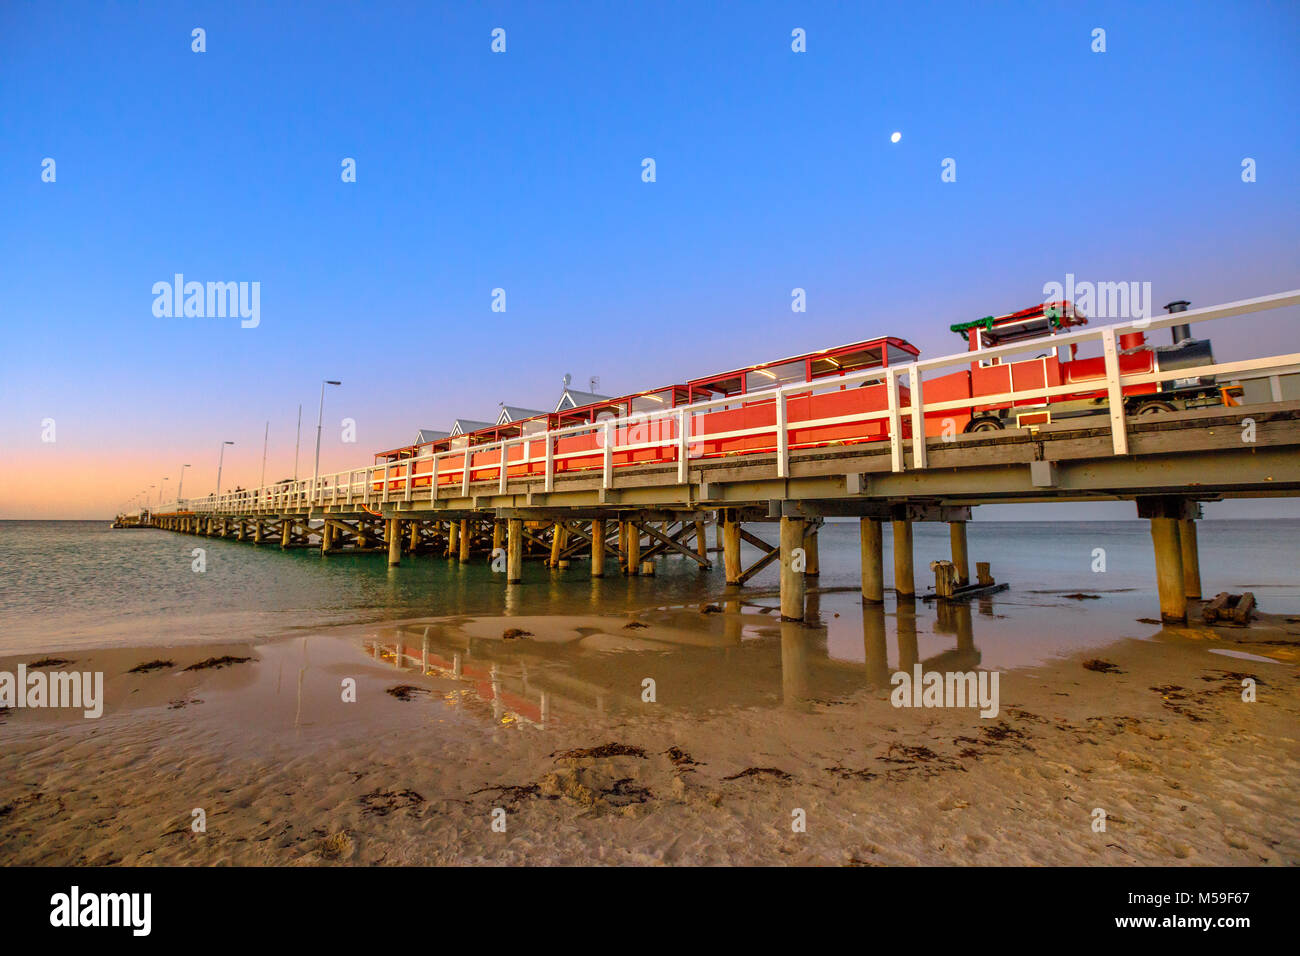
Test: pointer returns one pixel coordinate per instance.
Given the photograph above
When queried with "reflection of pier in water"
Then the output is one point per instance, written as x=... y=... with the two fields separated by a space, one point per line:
x=750 y=659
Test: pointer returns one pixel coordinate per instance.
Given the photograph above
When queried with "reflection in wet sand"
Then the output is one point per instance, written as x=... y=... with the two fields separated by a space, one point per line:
x=702 y=660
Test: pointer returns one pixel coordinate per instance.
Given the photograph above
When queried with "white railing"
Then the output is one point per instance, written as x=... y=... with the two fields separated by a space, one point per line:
x=374 y=486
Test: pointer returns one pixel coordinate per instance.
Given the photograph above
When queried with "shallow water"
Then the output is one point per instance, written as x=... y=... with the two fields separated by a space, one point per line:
x=79 y=584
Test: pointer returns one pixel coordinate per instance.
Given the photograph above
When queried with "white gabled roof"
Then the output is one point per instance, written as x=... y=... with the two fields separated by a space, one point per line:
x=430 y=434
x=572 y=398
x=463 y=426
x=513 y=413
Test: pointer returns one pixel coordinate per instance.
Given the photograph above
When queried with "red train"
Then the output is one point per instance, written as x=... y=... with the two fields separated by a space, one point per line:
x=1061 y=366
x=740 y=416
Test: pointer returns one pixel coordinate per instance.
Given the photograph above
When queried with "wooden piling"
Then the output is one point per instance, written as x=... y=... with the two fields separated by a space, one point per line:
x=871 y=536
x=557 y=542
x=464 y=541
x=633 y=548
x=453 y=537
x=701 y=541
x=960 y=553
x=792 y=580
x=1169 y=570
x=498 y=535
x=731 y=548
x=414 y=541
x=286 y=534
x=1191 y=558
x=598 y=548
x=904 y=580
x=326 y=537
x=393 y=536
x=515 y=551
x=812 y=559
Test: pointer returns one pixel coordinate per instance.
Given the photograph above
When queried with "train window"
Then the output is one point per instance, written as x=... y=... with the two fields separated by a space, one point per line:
x=775 y=375
x=846 y=362
x=899 y=356
x=717 y=388
x=984 y=343
x=653 y=402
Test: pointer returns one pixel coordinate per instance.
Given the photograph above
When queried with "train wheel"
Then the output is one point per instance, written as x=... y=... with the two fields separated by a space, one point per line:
x=1154 y=408
x=985 y=425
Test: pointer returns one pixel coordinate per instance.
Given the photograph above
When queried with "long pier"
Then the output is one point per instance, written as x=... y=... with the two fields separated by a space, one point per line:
x=522 y=497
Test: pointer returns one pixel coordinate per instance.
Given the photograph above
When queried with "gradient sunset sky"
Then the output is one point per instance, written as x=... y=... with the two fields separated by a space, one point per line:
x=522 y=171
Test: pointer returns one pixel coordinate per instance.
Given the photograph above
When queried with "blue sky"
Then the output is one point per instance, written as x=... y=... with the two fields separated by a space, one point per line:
x=522 y=171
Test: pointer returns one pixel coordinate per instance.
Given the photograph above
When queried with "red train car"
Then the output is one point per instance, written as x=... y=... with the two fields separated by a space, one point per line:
x=754 y=407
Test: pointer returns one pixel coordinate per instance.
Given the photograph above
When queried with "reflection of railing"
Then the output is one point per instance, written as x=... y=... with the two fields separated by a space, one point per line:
x=774 y=420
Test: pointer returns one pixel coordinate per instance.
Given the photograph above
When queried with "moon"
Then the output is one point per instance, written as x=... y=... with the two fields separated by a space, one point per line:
x=895 y=137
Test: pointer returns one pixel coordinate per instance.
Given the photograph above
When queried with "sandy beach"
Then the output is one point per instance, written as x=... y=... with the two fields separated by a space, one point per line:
x=753 y=727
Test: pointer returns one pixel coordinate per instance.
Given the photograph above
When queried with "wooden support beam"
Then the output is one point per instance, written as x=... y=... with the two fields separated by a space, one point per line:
x=731 y=532
x=770 y=554
x=557 y=543
x=670 y=542
x=904 y=580
x=1169 y=570
x=960 y=553
x=394 y=539
x=515 y=551
x=1191 y=558
x=871 y=535
x=793 y=585
x=811 y=555
x=598 y=548
x=633 y=547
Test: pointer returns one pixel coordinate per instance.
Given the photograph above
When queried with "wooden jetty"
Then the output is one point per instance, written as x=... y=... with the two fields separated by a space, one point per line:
x=648 y=486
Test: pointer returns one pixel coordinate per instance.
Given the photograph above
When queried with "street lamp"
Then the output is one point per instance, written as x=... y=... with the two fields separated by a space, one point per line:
x=220 y=460
x=162 y=487
x=181 y=484
x=320 y=417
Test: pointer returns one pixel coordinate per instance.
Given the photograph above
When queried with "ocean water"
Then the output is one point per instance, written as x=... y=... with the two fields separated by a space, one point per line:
x=65 y=585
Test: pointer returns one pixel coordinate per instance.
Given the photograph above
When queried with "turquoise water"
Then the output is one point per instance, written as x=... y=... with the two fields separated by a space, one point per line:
x=79 y=584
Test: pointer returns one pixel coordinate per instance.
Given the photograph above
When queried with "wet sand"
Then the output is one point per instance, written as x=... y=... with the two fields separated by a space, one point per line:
x=754 y=725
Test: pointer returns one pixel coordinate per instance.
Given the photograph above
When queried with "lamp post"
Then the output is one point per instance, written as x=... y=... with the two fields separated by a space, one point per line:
x=220 y=461
x=181 y=484
x=265 y=438
x=296 y=442
x=320 y=418
x=162 y=488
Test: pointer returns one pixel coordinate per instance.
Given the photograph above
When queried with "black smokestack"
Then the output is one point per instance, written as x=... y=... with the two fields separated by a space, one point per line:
x=1180 y=332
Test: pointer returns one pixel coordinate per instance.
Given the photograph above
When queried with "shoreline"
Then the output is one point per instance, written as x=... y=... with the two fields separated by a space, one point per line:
x=752 y=723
